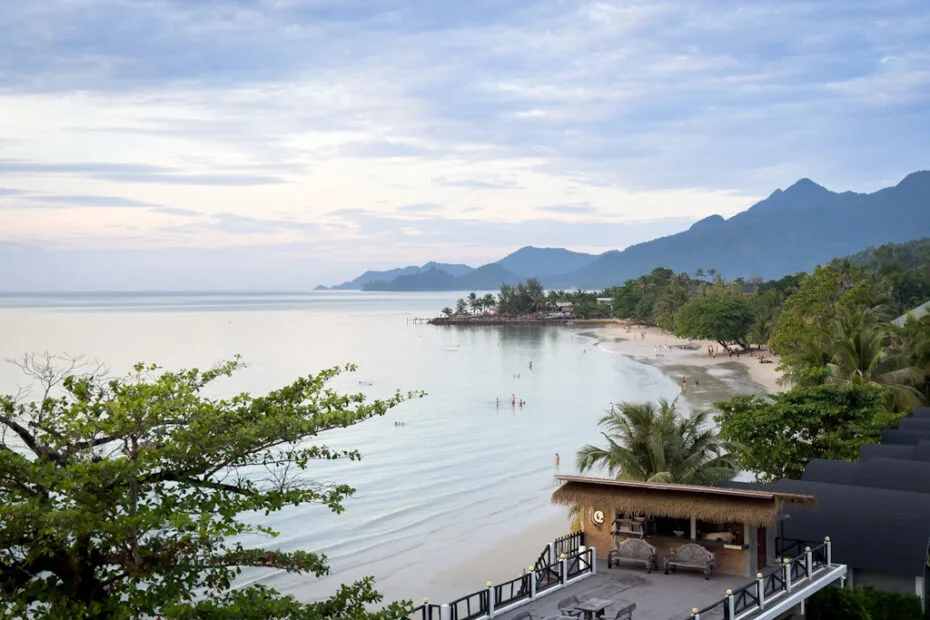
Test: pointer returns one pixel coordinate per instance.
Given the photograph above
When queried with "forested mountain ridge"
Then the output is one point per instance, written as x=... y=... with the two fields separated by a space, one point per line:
x=790 y=231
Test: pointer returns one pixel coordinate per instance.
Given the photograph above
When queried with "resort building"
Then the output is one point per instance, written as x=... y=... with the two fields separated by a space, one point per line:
x=738 y=526
x=879 y=507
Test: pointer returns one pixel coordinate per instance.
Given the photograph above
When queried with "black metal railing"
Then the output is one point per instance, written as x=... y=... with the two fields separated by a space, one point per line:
x=580 y=563
x=773 y=583
x=544 y=559
x=549 y=577
x=568 y=544
x=790 y=547
x=717 y=611
x=797 y=568
x=512 y=591
x=425 y=611
x=745 y=598
x=470 y=606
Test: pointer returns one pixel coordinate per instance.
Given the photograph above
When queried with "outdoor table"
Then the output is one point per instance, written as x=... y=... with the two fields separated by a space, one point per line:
x=593 y=607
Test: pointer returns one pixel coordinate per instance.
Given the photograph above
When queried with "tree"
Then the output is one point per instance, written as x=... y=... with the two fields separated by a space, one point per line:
x=781 y=433
x=120 y=497
x=647 y=443
x=837 y=604
x=461 y=306
x=488 y=301
x=722 y=320
x=474 y=303
x=447 y=312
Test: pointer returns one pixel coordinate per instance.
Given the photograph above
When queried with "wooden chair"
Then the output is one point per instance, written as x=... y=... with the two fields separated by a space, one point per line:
x=567 y=606
x=635 y=551
x=691 y=555
x=626 y=613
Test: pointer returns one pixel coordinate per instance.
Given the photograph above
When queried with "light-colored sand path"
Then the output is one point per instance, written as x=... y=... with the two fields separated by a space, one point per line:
x=652 y=347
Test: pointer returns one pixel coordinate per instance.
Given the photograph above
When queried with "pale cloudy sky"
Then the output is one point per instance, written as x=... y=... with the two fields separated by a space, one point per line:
x=285 y=143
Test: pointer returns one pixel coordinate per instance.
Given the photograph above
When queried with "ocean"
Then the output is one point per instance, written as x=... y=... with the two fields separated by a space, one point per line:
x=460 y=476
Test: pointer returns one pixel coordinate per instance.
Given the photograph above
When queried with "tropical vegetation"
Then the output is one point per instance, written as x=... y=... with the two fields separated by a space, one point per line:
x=655 y=443
x=125 y=496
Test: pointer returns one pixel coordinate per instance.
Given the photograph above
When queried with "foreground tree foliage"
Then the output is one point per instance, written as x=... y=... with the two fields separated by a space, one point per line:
x=781 y=433
x=722 y=320
x=122 y=497
x=652 y=443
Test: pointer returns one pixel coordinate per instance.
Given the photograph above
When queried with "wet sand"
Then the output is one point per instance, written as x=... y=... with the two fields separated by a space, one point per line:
x=724 y=374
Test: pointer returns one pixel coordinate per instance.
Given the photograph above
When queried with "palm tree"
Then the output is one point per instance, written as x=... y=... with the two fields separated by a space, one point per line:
x=473 y=303
x=656 y=444
x=488 y=301
x=861 y=355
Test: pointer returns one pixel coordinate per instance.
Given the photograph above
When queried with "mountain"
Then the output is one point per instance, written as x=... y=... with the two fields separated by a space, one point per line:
x=485 y=278
x=792 y=230
x=539 y=262
x=386 y=276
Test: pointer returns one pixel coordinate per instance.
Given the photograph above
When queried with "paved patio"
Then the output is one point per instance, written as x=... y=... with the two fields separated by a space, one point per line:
x=657 y=596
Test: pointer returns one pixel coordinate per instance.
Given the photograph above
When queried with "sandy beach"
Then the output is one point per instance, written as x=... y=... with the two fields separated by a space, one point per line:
x=662 y=349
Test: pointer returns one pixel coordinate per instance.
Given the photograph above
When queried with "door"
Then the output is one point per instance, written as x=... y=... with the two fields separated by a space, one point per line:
x=761 y=549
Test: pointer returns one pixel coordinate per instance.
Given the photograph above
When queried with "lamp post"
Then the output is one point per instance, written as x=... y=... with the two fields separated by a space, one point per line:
x=781 y=534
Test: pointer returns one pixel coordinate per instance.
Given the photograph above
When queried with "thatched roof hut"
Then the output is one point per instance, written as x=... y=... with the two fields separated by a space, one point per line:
x=680 y=501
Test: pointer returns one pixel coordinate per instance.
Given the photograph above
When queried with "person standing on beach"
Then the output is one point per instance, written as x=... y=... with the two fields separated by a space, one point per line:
x=684 y=385
x=556 y=459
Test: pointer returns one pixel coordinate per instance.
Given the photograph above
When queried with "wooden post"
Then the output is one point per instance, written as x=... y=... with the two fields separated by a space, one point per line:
x=693 y=528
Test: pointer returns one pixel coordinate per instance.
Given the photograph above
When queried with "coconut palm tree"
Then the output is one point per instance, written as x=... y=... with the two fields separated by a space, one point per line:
x=473 y=303
x=862 y=355
x=653 y=443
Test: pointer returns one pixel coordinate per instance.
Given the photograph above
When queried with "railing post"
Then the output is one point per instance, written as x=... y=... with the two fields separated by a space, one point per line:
x=552 y=554
x=532 y=583
x=731 y=605
x=593 y=551
x=808 y=562
x=695 y=615
x=760 y=589
x=786 y=566
x=564 y=563
x=445 y=612
x=829 y=551
x=490 y=600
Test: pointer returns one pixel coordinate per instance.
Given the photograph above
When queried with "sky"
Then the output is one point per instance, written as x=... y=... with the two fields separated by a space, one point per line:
x=171 y=144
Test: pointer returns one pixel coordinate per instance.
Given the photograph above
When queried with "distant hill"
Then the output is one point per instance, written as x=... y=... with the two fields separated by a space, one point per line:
x=540 y=262
x=485 y=278
x=790 y=231
x=386 y=276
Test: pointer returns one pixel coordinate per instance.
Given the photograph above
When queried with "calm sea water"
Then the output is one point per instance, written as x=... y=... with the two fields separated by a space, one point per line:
x=460 y=476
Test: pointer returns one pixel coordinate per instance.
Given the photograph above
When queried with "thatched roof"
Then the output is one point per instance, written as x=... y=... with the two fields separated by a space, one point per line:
x=679 y=501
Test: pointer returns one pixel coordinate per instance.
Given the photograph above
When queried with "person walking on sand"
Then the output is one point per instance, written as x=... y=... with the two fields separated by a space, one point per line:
x=684 y=385
x=513 y=399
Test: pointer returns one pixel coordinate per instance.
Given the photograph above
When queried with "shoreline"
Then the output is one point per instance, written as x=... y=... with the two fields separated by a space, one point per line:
x=661 y=349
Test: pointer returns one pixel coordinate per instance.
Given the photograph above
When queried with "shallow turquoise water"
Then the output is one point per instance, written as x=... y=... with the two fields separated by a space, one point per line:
x=459 y=476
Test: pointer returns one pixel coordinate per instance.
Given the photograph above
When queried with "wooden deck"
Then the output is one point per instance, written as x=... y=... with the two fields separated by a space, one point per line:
x=657 y=596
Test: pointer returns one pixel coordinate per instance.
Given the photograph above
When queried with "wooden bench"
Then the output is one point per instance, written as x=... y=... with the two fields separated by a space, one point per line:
x=636 y=551
x=691 y=555
x=626 y=613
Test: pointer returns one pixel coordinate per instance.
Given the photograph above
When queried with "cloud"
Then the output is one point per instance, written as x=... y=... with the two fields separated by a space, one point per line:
x=418 y=208
x=10 y=192
x=88 y=201
x=340 y=122
x=581 y=208
x=485 y=183
x=131 y=173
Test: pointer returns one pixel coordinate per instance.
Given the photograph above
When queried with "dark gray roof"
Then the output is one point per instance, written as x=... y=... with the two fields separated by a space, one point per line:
x=921 y=412
x=895 y=475
x=910 y=423
x=871 y=529
x=837 y=472
x=903 y=437
x=874 y=450
x=922 y=450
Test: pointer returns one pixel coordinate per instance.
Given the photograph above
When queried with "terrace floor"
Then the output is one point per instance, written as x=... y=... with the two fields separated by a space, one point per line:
x=657 y=596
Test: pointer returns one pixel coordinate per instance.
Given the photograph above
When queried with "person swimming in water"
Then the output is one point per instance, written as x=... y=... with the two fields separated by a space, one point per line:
x=557 y=459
